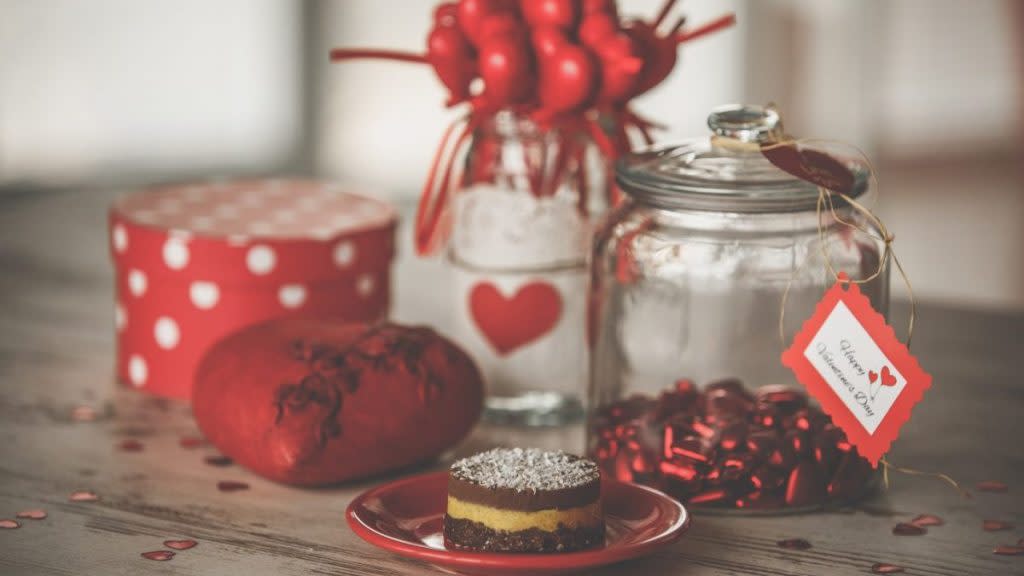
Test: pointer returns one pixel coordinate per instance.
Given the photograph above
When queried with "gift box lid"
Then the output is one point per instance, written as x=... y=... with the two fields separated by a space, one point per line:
x=250 y=232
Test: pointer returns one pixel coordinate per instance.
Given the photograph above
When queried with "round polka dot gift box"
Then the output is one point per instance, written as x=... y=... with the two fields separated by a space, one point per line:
x=197 y=262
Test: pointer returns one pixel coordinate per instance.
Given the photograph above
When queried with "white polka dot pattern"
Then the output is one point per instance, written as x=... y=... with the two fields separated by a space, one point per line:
x=204 y=295
x=175 y=253
x=292 y=295
x=137 y=283
x=344 y=253
x=365 y=285
x=203 y=223
x=119 y=238
x=169 y=205
x=166 y=333
x=229 y=211
x=260 y=260
x=138 y=372
x=270 y=209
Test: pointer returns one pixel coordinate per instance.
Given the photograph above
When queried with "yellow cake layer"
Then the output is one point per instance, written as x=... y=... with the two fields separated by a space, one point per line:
x=516 y=520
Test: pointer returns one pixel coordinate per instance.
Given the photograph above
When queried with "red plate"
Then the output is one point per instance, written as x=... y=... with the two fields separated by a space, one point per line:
x=406 y=516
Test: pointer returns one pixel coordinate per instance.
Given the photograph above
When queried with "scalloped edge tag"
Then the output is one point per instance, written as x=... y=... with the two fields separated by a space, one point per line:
x=850 y=360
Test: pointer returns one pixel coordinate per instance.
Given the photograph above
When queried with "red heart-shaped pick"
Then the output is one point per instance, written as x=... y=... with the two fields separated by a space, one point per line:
x=450 y=54
x=471 y=15
x=887 y=378
x=446 y=13
x=621 y=68
x=596 y=27
x=562 y=14
x=659 y=55
x=501 y=24
x=505 y=66
x=595 y=6
x=568 y=78
x=546 y=39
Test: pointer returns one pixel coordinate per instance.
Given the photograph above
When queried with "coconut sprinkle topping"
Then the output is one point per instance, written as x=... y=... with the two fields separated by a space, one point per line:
x=525 y=470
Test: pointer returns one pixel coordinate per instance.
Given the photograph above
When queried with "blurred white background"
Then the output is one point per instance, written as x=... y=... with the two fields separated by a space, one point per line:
x=131 y=91
x=113 y=88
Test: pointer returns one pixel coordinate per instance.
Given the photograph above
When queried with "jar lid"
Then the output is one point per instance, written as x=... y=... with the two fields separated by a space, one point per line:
x=726 y=172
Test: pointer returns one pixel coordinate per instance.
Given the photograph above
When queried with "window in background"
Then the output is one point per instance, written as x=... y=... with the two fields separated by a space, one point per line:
x=122 y=90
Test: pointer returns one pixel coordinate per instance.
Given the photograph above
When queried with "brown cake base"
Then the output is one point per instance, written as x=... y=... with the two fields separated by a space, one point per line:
x=469 y=535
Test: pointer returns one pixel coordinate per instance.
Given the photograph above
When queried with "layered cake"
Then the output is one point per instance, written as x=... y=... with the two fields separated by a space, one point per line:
x=516 y=500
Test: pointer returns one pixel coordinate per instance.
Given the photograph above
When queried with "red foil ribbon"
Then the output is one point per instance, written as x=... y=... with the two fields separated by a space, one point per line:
x=727 y=446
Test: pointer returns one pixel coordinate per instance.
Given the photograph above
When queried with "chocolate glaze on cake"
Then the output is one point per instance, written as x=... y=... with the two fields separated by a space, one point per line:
x=517 y=479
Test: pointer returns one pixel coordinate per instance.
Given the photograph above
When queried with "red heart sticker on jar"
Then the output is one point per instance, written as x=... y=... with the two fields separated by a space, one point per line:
x=831 y=355
x=510 y=323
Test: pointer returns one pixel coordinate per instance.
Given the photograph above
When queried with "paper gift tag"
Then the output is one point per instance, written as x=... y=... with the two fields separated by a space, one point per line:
x=850 y=360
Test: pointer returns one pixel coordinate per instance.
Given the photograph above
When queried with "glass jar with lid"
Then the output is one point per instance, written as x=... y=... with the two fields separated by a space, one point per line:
x=688 y=275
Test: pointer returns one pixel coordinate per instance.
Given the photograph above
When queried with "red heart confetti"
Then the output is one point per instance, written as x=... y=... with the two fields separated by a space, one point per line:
x=130 y=446
x=180 y=544
x=83 y=496
x=219 y=461
x=34 y=514
x=995 y=525
x=158 y=555
x=231 y=486
x=908 y=529
x=927 y=520
x=83 y=414
x=992 y=486
x=9 y=524
x=794 y=544
x=883 y=568
x=190 y=442
x=1008 y=550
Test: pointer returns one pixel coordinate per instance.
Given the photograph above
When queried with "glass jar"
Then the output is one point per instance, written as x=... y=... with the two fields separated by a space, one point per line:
x=521 y=230
x=687 y=280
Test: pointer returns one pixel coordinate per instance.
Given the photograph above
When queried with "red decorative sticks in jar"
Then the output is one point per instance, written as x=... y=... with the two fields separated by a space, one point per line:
x=726 y=446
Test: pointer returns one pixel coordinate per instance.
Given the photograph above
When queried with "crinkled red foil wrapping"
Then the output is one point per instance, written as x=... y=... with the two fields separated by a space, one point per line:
x=728 y=446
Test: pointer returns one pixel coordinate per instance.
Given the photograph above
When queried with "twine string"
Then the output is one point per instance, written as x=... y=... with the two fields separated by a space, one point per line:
x=886 y=465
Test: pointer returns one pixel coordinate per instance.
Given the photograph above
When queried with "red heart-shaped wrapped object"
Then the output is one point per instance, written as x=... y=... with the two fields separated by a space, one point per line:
x=560 y=13
x=451 y=55
x=309 y=403
x=567 y=78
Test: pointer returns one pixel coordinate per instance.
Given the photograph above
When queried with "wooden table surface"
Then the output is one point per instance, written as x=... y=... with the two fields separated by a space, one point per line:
x=56 y=350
